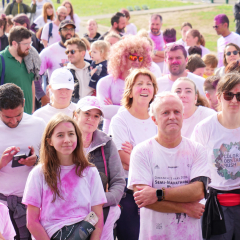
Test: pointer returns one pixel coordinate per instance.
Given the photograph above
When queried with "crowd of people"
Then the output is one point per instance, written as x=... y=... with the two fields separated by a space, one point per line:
x=124 y=135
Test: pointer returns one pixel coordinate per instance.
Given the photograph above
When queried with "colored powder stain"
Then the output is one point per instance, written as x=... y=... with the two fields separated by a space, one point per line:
x=68 y=124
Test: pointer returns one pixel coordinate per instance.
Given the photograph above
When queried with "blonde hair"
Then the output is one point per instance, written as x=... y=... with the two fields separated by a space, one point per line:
x=112 y=35
x=102 y=47
x=210 y=59
x=143 y=33
x=130 y=81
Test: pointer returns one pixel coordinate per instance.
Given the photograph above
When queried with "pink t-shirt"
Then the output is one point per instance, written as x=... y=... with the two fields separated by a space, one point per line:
x=79 y=195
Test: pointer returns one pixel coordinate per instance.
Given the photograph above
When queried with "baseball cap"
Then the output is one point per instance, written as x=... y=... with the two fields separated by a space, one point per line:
x=65 y=23
x=62 y=78
x=88 y=103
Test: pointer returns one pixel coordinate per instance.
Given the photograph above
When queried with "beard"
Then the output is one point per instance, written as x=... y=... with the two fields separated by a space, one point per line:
x=121 y=30
x=64 y=39
x=177 y=72
x=155 y=31
x=21 y=53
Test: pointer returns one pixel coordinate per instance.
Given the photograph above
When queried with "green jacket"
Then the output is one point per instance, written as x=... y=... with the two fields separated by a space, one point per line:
x=21 y=9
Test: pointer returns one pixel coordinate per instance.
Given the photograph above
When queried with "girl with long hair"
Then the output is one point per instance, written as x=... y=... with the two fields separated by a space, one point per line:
x=64 y=187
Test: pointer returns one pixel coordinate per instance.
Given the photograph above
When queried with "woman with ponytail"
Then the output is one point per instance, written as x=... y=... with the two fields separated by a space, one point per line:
x=3 y=38
x=195 y=38
x=195 y=106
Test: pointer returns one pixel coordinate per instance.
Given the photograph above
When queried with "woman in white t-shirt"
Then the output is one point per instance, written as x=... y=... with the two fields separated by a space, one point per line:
x=195 y=106
x=184 y=28
x=130 y=27
x=195 y=38
x=39 y=8
x=71 y=15
x=220 y=135
x=61 y=88
x=129 y=127
x=64 y=188
x=131 y=52
x=46 y=16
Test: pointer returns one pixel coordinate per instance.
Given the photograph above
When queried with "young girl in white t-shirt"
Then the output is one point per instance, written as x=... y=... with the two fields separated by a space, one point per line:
x=130 y=27
x=61 y=88
x=195 y=106
x=64 y=188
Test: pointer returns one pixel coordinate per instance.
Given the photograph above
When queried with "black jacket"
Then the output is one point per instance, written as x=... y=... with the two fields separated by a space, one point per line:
x=236 y=10
x=36 y=43
x=4 y=42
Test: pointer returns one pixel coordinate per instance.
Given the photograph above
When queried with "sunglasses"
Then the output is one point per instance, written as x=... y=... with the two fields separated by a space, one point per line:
x=71 y=51
x=134 y=58
x=234 y=53
x=215 y=27
x=228 y=96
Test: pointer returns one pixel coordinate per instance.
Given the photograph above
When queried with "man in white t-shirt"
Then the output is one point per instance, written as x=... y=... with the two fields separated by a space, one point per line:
x=221 y=25
x=21 y=134
x=169 y=176
x=156 y=35
x=53 y=37
x=176 y=59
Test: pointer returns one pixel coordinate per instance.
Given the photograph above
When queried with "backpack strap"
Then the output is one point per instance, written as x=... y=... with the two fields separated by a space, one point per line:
x=3 y=70
x=50 y=31
x=104 y=160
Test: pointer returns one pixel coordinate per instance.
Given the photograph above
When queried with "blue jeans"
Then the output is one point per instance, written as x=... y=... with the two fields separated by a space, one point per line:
x=3 y=2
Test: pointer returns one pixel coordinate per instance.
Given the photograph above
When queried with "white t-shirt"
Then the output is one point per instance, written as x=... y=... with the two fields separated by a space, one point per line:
x=6 y=227
x=223 y=153
x=165 y=84
x=157 y=166
x=125 y=127
x=48 y=111
x=39 y=8
x=156 y=70
x=79 y=195
x=130 y=29
x=53 y=57
x=27 y=133
x=76 y=21
x=181 y=42
x=55 y=34
x=190 y=123
x=39 y=21
x=113 y=215
x=222 y=42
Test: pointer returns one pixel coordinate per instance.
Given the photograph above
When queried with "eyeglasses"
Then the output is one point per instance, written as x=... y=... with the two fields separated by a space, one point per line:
x=228 y=96
x=71 y=51
x=134 y=58
x=68 y=29
x=215 y=27
x=26 y=44
x=234 y=53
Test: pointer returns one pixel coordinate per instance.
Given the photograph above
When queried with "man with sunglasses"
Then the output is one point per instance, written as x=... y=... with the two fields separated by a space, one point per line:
x=221 y=26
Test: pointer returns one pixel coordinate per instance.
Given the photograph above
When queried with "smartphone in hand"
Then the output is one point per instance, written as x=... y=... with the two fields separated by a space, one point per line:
x=18 y=156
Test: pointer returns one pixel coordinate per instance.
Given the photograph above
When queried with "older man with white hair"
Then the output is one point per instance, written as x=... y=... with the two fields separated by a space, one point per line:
x=169 y=176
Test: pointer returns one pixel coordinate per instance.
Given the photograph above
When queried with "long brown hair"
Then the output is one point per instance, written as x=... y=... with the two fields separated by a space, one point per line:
x=44 y=11
x=71 y=13
x=195 y=33
x=48 y=155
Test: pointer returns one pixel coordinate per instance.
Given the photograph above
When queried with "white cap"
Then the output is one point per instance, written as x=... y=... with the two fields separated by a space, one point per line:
x=62 y=78
x=88 y=103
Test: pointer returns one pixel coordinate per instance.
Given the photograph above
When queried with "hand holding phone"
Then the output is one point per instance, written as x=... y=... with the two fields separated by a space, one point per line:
x=16 y=159
x=31 y=158
x=8 y=155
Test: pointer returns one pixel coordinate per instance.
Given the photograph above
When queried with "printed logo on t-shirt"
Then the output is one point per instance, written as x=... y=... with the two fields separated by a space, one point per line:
x=227 y=160
x=156 y=167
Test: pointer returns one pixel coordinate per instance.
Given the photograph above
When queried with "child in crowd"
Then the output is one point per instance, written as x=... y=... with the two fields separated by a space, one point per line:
x=113 y=214
x=61 y=88
x=99 y=55
x=64 y=187
x=210 y=88
x=7 y=231
x=195 y=50
x=130 y=27
x=195 y=65
x=211 y=63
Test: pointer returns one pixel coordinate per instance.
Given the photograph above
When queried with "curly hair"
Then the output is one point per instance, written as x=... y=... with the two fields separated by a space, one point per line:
x=120 y=51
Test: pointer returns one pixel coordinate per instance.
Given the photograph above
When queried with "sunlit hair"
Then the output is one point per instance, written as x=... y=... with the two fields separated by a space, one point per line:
x=225 y=51
x=195 y=33
x=211 y=60
x=130 y=81
x=233 y=67
x=76 y=41
x=186 y=24
x=49 y=159
x=44 y=11
x=71 y=6
x=102 y=47
x=91 y=20
x=120 y=51
x=112 y=35
x=159 y=98
x=194 y=62
x=144 y=33
x=201 y=101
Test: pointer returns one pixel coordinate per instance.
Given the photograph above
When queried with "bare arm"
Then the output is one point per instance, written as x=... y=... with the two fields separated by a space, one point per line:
x=98 y=210
x=45 y=42
x=33 y=224
x=1 y=237
x=125 y=159
x=33 y=95
x=157 y=59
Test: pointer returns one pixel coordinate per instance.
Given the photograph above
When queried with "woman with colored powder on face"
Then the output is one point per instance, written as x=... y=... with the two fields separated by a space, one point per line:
x=195 y=106
x=220 y=135
x=102 y=152
x=129 y=127
x=64 y=187
x=131 y=52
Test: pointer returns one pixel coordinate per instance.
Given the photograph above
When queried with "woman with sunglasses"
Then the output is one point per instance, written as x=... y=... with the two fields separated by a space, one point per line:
x=129 y=127
x=220 y=135
x=131 y=52
x=195 y=106
x=231 y=53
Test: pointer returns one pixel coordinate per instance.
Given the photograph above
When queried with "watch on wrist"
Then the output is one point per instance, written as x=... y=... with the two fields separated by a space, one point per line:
x=160 y=194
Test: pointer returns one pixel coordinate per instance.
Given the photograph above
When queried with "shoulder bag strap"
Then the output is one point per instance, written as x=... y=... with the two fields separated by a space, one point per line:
x=3 y=70
x=104 y=160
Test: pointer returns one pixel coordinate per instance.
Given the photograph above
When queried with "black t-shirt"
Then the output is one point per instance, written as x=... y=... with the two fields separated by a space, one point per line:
x=91 y=40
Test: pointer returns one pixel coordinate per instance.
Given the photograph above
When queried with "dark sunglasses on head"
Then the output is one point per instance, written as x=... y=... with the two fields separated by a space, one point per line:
x=134 y=58
x=71 y=51
x=228 y=96
x=234 y=53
